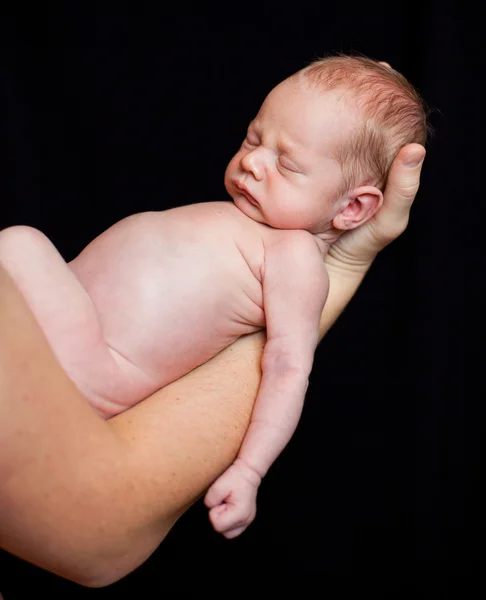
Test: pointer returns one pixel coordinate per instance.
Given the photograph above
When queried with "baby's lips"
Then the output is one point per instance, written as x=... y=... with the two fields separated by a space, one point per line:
x=244 y=190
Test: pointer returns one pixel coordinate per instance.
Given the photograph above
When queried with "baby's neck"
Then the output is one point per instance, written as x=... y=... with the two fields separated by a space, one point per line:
x=326 y=239
x=323 y=244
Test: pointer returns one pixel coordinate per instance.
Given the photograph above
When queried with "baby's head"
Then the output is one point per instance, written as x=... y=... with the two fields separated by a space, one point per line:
x=317 y=154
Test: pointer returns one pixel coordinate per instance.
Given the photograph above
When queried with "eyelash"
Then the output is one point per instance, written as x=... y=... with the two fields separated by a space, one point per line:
x=291 y=170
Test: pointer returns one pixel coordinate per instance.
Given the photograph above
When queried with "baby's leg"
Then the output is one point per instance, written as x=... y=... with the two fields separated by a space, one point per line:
x=62 y=306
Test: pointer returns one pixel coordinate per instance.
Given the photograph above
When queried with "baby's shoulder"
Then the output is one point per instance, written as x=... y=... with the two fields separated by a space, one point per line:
x=297 y=239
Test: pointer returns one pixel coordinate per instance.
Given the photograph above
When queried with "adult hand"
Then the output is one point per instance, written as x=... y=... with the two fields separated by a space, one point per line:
x=351 y=256
x=356 y=249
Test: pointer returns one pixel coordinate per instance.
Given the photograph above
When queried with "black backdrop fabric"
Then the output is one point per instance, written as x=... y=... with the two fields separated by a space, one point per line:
x=118 y=109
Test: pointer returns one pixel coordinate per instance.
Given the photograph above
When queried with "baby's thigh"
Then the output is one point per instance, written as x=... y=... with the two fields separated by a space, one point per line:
x=70 y=321
x=56 y=297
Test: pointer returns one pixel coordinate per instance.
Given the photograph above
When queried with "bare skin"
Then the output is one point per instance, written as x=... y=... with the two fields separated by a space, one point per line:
x=131 y=478
x=118 y=316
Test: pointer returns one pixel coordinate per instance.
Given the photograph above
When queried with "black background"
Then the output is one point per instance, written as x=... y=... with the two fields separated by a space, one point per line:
x=116 y=109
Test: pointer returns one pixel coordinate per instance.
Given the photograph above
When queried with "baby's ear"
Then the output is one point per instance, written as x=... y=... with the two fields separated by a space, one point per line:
x=360 y=205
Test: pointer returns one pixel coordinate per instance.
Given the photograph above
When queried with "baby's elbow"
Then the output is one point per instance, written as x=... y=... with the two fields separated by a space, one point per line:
x=286 y=367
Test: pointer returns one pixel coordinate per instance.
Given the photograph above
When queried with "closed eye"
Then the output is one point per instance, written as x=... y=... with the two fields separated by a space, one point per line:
x=287 y=164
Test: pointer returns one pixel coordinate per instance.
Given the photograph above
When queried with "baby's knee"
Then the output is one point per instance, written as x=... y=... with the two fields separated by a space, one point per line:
x=19 y=236
x=22 y=241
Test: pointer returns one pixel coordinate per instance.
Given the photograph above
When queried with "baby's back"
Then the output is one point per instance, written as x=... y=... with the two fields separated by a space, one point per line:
x=173 y=288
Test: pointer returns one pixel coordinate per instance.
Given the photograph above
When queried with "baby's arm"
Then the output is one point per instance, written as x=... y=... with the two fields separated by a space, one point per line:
x=295 y=288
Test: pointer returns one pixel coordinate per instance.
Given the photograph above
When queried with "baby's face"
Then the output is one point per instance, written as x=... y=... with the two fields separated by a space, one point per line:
x=284 y=174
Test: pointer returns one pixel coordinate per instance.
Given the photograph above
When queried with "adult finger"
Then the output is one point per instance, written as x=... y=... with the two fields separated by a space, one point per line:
x=401 y=189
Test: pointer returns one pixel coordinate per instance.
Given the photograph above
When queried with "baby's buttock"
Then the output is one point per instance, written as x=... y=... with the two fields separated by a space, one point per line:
x=136 y=359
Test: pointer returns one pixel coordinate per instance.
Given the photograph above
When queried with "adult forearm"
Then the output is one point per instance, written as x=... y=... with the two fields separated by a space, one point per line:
x=343 y=285
x=90 y=499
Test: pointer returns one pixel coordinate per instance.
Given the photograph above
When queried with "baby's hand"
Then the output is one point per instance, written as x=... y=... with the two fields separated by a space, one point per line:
x=232 y=499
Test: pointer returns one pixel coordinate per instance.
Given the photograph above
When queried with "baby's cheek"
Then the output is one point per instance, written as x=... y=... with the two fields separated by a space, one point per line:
x=229 y=174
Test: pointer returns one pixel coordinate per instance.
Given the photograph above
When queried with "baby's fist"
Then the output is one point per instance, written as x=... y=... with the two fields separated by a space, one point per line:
x=232 y=500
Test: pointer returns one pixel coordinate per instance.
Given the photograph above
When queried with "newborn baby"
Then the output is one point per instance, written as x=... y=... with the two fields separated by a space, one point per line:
x=160 y=293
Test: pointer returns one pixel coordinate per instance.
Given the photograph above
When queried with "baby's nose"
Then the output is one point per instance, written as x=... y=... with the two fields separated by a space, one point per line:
x=254 y=163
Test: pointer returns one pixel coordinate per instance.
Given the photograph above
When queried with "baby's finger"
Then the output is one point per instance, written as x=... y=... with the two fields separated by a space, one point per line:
x=230 y=516
x=216 y=495
x=222 y=518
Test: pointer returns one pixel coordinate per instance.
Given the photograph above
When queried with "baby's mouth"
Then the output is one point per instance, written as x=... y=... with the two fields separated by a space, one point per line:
x=242 y=189
x=249 y=198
